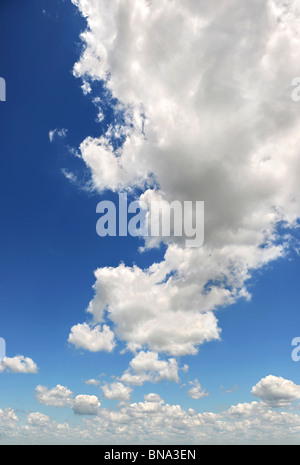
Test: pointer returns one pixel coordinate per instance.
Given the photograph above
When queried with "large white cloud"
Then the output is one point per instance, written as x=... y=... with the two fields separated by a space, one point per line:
x=208 y=113
x=276 y=391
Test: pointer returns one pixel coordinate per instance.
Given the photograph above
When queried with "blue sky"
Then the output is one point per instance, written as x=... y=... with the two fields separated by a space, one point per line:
x=50 y=249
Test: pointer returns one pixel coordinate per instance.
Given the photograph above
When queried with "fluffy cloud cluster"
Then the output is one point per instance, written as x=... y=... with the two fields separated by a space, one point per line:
x=159 y=422
x=18 y=364
x=208 y=115
x=154 y=420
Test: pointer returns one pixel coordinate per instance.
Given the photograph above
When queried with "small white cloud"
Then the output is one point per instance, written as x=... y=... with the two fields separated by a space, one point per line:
x=116 y=391
x=155 y=398
x=146 y=366
x=196 y=392
x=69 y=175
x=18 y=364
x=92 y=382
x=73 y=151
x=86 y=405
x=93 y=339
x=246 y=410
x=97 y=103
x=185 y=368
x=276 y=391
x=86 y=88
x=61 y=133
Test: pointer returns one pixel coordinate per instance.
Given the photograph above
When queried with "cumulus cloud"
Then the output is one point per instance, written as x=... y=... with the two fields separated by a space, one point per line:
x=18 y=364
x=8 y=421
x=208 y=116
x=246 y=410
x=59 y=396
x=92 y=382
x=116 y=391
x=162 y=422
x=38 y=419
x=153 y=398
x=159 y=422
x=146 y=366
x=276 y=391
x=196 y=392
x=93 y=339
x=162 y=321
x=86 y=405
